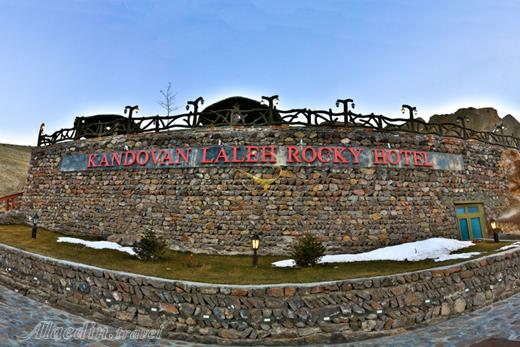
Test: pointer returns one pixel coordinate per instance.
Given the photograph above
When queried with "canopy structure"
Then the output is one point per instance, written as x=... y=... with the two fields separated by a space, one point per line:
x=239 y=110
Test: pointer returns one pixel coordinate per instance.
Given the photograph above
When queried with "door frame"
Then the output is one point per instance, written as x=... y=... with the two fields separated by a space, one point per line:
x=481 y=214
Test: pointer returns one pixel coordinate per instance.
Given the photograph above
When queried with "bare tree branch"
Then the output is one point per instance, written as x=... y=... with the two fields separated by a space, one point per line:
x=168 y=102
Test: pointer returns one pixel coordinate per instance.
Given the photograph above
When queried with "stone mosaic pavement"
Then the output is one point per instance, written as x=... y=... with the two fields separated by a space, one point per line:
x=19 y=315
x=500 y=320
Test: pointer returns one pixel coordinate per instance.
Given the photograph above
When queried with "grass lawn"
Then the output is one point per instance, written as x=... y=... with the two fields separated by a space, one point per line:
x=213 y=268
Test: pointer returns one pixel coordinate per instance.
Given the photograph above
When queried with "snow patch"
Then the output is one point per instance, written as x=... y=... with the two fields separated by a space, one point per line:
x=98 y=244
x=456 y=256
x=513 y=245
x=436 y=248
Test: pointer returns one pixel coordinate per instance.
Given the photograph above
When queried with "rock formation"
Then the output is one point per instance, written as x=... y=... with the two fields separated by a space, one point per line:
x=481 y=119
x=511 y=126
x=510 y=163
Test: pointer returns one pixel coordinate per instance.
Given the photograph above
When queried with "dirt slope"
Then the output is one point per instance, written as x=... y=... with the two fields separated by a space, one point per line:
x=14 y=165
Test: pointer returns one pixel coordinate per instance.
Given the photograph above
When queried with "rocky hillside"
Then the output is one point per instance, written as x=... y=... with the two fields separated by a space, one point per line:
x=14 y=165
x=481 y=119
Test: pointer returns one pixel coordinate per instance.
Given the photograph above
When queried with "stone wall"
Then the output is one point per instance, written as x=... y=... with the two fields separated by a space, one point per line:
x=264 y=314
x=217 y=209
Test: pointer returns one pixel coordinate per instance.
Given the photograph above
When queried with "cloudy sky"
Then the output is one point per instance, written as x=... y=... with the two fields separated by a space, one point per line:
x=61 y=59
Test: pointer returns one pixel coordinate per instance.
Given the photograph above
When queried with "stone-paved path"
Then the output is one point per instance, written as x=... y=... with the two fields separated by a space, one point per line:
x=500 y=320
x=19 y=315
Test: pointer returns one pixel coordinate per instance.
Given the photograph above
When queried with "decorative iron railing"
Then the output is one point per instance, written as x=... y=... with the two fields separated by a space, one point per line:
x=9 y=201
x=270 y=115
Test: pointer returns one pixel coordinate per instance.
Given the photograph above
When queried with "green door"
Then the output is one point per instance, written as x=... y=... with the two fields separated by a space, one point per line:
x=464 y=229
x=471 y=221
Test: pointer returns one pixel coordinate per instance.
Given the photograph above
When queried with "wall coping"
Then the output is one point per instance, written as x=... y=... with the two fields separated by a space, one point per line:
x=253 y=129
x=251 y=286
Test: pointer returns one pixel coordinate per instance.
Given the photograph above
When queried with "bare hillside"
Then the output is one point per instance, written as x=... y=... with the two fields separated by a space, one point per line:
x=14 y=165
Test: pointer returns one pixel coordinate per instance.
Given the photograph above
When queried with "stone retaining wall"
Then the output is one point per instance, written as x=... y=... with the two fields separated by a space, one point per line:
x=264 y=314
x=217 y=209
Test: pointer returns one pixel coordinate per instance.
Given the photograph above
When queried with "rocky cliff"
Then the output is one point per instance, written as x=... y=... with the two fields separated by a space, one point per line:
x=481 y=119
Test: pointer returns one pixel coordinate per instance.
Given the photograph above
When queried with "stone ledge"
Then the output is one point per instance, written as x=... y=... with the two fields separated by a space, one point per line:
x=281 y=314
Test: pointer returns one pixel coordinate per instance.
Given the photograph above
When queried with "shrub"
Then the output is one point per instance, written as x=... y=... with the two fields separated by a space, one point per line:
x=150 y=247
x=307 y=250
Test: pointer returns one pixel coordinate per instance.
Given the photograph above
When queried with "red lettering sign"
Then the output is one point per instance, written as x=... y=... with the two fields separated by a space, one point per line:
x=379 y=156
x=394 y=157
x=292 y=154
x=222 y=155
x=129 y=162
x=250 y=154
x=104 y=160
x=155 y=156
x=167 y=158
x=184 y=154
x=406 y=157
x=305 y=154
x=356 y=154
x=235 y=156
x=268 y=153
x=205 y=156
x=91 y=162
x=324 y=157
x=426 y=161
x=116 y=158
x=142 y=158
x=338 y=155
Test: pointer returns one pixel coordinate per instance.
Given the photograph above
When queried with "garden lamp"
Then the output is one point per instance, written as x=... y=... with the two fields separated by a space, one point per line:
x=255 y=242
x=35 y=219
x=494 y=228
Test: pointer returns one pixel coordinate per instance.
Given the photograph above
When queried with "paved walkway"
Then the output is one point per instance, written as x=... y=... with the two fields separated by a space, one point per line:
x=500 y=320
x=20 y=315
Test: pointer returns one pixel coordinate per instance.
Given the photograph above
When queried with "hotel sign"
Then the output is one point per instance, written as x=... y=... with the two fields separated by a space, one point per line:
x=249 y=155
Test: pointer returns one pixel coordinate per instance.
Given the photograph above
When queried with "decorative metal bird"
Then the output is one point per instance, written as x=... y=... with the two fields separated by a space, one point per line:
x=264 y=182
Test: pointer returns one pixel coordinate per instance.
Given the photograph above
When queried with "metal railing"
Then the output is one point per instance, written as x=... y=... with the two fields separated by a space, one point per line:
x=10 y=201
x=270 y=115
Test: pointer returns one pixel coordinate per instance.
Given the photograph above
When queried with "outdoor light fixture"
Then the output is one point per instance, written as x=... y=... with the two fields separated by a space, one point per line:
x=499 y=128
x=255 y=242
x=494 y=228
x=35 y=219
x=412 y=111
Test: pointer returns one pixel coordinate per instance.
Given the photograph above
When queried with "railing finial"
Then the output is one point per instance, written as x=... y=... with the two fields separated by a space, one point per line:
x=346 y=111
x=40 y=134
x=271 y=103
x=130 y=110
x=195 y=104
x=412 y=111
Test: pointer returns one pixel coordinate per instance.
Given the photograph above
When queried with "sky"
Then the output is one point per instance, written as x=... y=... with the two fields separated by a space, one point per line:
x=62 y=59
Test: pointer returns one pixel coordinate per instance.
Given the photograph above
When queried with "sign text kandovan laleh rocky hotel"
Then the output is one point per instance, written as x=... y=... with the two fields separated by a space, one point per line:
x=251 y=155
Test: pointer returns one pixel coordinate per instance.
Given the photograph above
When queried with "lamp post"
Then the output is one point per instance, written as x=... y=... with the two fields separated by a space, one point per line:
x=494 y=228
x=255 y=242
x=35 y=219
